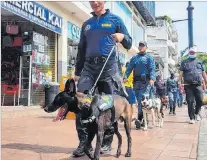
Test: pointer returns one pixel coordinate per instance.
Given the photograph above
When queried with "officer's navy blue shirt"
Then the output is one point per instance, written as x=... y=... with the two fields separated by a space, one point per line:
x=94 y=33
x=141 y=64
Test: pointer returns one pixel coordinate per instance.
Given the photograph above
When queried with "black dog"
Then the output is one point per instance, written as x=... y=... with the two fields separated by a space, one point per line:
x=68 y=101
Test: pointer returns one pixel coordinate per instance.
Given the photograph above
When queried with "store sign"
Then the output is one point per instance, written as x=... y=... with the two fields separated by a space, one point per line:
x=36 y=13
x=40 y=39
x=73 y=31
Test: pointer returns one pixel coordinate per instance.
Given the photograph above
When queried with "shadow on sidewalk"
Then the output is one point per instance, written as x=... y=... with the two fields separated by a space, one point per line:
x=46 y=117
x=86 y=158
x=38 y=148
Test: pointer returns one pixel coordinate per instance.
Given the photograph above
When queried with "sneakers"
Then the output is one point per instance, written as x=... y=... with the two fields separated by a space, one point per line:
x=192 y=121
x=198 y=117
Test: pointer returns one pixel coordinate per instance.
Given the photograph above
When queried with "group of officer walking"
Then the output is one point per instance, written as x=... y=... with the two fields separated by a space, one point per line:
x=99 y=36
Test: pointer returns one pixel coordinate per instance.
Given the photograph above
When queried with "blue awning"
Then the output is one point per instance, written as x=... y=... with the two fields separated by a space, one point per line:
x=147 y=11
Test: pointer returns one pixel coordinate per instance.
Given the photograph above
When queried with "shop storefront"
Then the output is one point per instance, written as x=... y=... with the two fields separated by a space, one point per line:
x=73 y=39
x=29 y=47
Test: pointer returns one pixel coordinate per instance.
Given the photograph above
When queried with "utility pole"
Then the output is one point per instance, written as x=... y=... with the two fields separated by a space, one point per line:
x=190 y=24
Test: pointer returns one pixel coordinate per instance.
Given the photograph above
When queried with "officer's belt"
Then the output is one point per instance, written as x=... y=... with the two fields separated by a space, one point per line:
x=139 y=78
x=100 y=59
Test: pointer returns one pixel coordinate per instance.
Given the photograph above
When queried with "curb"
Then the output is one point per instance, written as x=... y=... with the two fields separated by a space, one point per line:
x=202 y=138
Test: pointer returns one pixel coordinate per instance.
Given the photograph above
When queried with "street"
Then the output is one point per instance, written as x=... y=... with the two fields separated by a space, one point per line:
x=31 y=134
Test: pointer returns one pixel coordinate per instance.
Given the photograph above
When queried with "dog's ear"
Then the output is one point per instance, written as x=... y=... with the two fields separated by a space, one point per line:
x=70 y=86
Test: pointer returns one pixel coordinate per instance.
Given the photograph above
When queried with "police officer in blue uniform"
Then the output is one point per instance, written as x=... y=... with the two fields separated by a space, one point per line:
x=172 y=89
x=192 y=71
x=98 y=36
x=143 y=66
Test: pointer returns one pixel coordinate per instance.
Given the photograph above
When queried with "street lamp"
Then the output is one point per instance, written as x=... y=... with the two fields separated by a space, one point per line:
x=190 y=24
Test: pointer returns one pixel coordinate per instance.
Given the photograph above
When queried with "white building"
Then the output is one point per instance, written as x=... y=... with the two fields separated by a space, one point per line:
x=162 y=40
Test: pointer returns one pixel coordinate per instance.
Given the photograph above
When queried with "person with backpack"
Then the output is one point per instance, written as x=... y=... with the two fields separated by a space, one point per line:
x=192 y=71
x=160 y=87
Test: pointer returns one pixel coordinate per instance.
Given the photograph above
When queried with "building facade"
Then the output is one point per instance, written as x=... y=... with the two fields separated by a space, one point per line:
x=163 y=40
x=52 y=31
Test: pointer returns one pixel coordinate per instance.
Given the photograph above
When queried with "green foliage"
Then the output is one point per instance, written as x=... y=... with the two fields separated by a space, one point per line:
x=203 y=58
x=166 y=18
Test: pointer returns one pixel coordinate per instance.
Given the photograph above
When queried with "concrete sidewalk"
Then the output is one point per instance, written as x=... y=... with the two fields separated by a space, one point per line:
x=30 y=134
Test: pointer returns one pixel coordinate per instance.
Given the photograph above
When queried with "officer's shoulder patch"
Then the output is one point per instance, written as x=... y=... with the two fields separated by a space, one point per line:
x=88 y=26
x=144 y=59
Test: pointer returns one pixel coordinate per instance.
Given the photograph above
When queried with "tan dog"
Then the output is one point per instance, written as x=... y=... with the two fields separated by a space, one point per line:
x=120 y=110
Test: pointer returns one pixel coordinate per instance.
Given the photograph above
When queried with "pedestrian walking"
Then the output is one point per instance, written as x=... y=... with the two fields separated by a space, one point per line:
x=143 y=67
x=180 y=94
x=99 y=35
x=172 y=89
x=192 y=71
x=160 y=87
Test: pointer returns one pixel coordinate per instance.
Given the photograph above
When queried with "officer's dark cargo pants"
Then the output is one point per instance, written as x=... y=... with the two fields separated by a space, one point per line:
x=109 y=83
x=194 y=93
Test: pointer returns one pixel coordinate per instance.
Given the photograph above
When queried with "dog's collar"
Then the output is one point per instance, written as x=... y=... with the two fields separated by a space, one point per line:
x=89 y=120
x=147 y=107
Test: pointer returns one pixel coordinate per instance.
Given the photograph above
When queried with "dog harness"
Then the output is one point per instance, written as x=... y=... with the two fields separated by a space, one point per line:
x=105 y=103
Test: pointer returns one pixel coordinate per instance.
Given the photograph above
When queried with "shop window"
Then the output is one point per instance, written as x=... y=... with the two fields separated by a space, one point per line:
x=43 y=58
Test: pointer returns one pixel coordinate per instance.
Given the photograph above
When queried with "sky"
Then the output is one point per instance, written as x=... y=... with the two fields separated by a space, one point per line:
x=177 y=11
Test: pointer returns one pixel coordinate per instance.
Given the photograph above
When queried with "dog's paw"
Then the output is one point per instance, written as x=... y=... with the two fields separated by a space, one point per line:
x=118 y=153
x=144 y=129
x=128 y=154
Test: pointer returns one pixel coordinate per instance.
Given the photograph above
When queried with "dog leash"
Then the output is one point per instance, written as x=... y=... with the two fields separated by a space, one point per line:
x=93 y=88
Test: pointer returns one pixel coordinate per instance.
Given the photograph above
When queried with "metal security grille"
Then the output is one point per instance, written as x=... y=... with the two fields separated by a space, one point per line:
x=37 y=90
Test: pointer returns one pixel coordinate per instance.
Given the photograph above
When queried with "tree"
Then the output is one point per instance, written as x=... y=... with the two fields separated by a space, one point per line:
x=166 y=18
x=203 y=58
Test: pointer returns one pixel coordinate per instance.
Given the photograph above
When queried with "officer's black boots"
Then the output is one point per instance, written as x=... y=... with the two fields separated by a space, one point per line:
x=171 y=111
x=79 y=152
x=107 y=141
x=174 y=110
x=106 y=146
x=139 y=124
